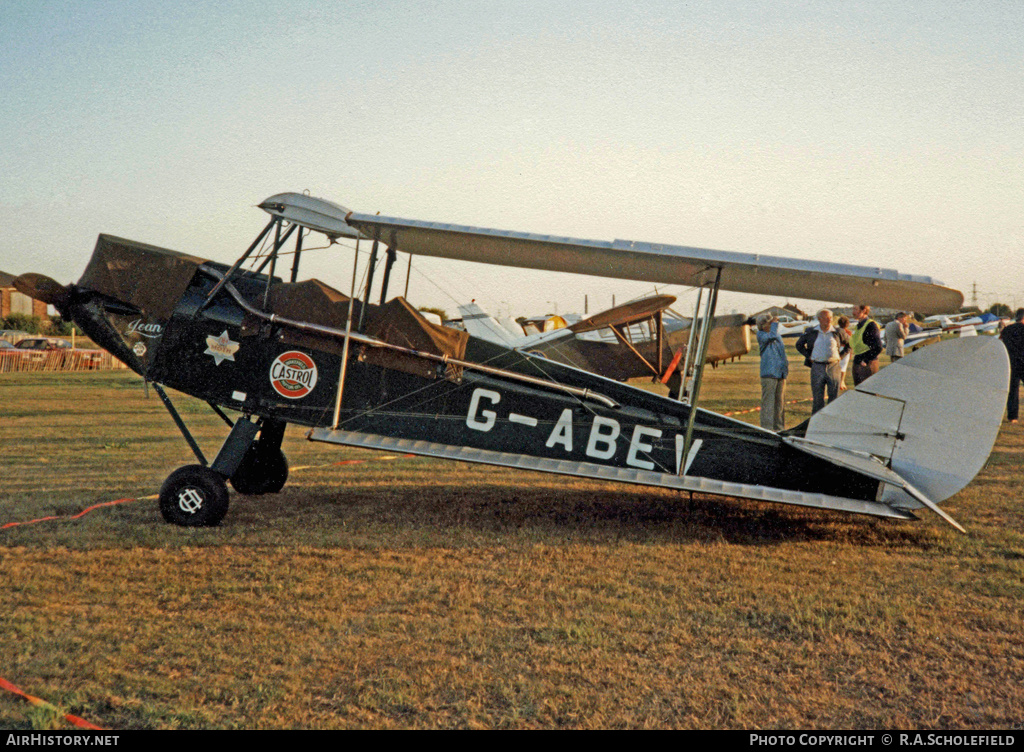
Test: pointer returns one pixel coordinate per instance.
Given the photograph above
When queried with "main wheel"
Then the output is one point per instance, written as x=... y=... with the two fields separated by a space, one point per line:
x=194 y=496
x=261 y=472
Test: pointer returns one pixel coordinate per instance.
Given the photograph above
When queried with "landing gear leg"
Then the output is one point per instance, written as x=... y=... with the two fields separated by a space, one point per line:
x=197 y=495
x=264 y=468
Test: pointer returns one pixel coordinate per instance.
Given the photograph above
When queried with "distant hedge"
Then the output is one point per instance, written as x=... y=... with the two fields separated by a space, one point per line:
x=53 y=325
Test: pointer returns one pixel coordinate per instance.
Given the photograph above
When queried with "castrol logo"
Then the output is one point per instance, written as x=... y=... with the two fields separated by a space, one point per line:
x=293 y=374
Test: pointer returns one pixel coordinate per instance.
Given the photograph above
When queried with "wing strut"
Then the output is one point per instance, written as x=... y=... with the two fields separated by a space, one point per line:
x=369 y=282
x=392 y=257
x=348 y=335
x=241 y=260
x=298 y=253
x=659 y=322
x=684 y=389
x=698 y=364
x=617 y=331
x=273 y=265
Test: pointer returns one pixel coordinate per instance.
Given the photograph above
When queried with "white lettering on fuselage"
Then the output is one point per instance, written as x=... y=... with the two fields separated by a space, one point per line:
x=562 y=432
x=473 y=418
x=601 y=443
x=145 y=330
x=602 y=440
x=636 y=445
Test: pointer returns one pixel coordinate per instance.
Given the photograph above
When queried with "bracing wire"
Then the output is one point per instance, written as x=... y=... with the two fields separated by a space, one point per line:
x=535 y=362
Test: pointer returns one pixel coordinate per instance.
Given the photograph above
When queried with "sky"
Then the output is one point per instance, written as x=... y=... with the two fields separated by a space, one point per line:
x=874 y=133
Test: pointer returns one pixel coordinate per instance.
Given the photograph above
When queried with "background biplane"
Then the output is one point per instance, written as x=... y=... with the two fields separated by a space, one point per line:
x=379 y=375
x=632 y=340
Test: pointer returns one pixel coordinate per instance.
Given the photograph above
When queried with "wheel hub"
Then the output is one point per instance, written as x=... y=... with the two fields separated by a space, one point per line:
x=190 y=500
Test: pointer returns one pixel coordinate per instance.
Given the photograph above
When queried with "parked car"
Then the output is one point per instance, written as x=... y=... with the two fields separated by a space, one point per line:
x=13 y=335
x=41 y=343
x=9 y=355
x=44 y=354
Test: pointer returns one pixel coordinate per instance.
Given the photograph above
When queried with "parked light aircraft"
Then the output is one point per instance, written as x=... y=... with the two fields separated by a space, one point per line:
x=790 y=327
x=632 y=340
x=379 y=375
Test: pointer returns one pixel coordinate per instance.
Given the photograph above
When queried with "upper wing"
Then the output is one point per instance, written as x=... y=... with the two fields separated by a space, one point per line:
x=627 y=259
x=625 y=314
x=668 y=264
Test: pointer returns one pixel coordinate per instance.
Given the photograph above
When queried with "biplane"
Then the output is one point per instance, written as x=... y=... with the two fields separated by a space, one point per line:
x=274 y=350
x=632 y=340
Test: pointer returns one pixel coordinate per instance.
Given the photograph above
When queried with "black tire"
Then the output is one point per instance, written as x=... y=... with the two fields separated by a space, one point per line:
x=194 y=496
x=277 y=472
x=261 y=472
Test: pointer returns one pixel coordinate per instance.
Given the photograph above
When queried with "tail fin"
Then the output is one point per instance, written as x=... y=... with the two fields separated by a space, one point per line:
x=932 y=417
x=484 y=326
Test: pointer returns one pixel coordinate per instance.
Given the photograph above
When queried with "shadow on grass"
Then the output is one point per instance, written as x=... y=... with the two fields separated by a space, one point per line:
x=575 y=515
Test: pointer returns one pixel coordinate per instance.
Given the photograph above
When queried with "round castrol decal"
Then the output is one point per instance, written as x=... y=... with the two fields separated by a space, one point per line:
x=293 y=374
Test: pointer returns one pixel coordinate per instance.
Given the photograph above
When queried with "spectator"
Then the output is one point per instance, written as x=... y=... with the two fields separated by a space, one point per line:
x=774 y=370
x=1013 y=337
x=822 y=347
x=843 y=322
x=895 y=332
x=866 y=343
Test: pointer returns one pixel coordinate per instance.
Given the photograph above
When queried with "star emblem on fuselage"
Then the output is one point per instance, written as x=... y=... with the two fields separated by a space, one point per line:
x=221 y=348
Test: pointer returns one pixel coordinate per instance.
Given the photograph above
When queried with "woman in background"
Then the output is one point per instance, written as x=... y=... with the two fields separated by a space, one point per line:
x=843 y=322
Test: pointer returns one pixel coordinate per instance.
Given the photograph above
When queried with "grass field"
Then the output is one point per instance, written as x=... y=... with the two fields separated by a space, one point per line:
x=413 y=593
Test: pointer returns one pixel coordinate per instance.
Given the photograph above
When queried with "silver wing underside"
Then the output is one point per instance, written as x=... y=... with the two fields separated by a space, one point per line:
x=638 y=261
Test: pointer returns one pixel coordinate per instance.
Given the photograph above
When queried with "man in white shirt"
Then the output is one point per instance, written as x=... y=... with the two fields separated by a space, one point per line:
x=822 y=346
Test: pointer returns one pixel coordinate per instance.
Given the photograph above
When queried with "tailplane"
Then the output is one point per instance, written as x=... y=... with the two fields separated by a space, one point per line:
x=484 y=326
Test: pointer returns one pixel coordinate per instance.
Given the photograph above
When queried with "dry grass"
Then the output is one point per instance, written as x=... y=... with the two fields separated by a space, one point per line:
x=416 y=593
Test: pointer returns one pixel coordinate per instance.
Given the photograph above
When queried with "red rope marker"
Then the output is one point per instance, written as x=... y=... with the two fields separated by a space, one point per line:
x=758 y=409
x=102 y=504
x=74 y=720
x=74 y=516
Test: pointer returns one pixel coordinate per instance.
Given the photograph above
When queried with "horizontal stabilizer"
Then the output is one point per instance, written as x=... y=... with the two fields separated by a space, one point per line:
x=869 y=465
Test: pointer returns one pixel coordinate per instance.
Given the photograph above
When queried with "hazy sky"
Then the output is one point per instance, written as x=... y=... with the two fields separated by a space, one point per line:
x=877 y=133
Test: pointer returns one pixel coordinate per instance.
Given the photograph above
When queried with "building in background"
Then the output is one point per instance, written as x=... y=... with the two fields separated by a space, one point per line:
x=12 y=301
